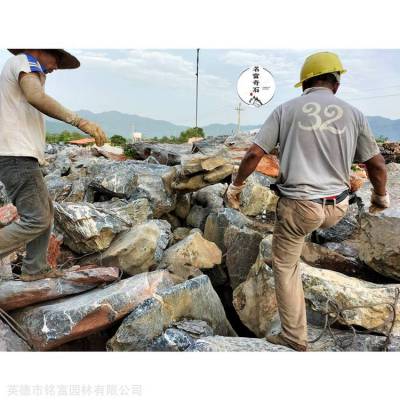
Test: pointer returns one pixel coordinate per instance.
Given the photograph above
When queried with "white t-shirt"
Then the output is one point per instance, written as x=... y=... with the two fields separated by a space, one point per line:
x=22 y=127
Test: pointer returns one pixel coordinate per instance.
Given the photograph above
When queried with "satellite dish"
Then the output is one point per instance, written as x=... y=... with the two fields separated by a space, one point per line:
x=256 y=86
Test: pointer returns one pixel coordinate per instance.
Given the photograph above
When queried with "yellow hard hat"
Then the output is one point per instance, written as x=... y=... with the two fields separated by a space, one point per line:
x=319 y=64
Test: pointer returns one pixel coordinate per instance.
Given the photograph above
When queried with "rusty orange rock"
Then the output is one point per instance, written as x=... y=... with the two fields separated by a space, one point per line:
x=53 y=251
x=268 y=165
x=356 y=182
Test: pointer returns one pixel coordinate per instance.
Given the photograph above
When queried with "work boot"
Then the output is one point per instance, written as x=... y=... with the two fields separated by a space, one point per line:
x=49 y=273
x=281 y=341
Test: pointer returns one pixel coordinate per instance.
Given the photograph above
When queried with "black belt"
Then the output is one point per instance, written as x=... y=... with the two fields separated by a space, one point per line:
x=332 y=200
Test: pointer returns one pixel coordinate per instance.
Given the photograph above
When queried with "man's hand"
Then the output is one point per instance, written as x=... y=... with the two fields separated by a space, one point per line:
x=8 y=214
x=93 y=130
x=232 y=195
x=380 y=201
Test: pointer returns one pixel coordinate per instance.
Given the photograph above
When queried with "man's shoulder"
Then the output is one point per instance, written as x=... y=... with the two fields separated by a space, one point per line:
x=345 y=104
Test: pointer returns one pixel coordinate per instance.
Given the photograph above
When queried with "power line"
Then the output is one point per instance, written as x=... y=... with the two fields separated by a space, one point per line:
x=380 y=88
x=374 y=97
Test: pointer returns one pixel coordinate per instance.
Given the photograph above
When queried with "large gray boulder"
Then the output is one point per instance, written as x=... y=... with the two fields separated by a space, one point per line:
x=192 y=299
x=363 y=303
x=134 y=180
x=91 y=228
x=242 y=247
x=60 y=321
x=380 y=229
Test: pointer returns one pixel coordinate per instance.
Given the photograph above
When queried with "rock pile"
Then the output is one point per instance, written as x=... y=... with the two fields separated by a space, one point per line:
x=154 y=261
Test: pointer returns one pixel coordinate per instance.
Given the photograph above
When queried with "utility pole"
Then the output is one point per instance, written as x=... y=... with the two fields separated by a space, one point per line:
x=197 y=84
x=239 y=109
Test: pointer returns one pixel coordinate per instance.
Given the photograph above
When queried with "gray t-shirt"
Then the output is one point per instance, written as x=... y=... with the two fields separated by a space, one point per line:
x=319 y=137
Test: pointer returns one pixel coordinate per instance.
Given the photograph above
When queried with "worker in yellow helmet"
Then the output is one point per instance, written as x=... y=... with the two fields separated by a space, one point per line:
x=319 y=137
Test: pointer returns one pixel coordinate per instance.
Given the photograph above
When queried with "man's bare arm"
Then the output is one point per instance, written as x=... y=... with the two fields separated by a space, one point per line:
x=35 y=95
x=249 y=164
x=377 y=173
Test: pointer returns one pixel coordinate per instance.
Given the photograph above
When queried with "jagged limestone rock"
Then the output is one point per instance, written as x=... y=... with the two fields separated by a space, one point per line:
x=193 y=250
x=134 y=180
x=193 y=299
x=140 y=248
x=197 y=216
x=211 y=196
x=256 y=196
x=91 y=228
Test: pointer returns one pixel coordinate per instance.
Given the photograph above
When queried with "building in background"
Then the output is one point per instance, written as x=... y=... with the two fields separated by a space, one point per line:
x=137 y=137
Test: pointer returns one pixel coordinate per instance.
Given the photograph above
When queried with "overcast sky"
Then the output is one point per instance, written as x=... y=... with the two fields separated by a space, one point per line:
x=160 y=84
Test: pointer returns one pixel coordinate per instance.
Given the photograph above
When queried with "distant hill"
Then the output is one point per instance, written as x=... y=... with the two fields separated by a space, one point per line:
x=114 y=122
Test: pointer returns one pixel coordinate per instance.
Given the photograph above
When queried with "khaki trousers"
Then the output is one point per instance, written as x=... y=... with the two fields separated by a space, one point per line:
x=294 y=220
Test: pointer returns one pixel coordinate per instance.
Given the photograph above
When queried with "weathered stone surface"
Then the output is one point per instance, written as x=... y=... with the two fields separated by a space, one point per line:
x=90 y=227
x=200 y=170
x=256 y=196
x=180 y=233
x=218 y=222
x=140 y=248
x=17 y=294
x=133 y=180
x=192 y=299
x=52 y=324
x=182 y=208
x=9 y=341
x=193 y=163
x=173 y=220
x=181 y=335
x=346 y=341
x=59 y=187
x=325 y=258
x=5 y=268
x=255 y=301
x=342 y=248
x=242 y=247
x=380 y=229
x=233 y=344
x=197 y=216
x=219 y=173
x=211 y=196
x=164 y=153
x=194 y=251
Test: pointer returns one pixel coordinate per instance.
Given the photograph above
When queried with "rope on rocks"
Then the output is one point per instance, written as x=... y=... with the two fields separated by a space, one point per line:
x=338 y=315
x=16 y=327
